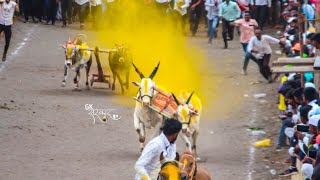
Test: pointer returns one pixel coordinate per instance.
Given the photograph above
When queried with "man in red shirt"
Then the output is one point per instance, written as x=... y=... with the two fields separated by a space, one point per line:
x=247 y=26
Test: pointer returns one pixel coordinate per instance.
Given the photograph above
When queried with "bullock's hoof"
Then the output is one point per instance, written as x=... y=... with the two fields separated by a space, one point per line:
x=142 y=139
x=63 y=84
x=141 y=149
x=87 y=88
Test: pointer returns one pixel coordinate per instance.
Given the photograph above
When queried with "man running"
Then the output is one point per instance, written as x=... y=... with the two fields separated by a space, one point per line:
x=7 y=9
x=212 y=6
x=229 y=11
x=259 y=51
x=247 y=26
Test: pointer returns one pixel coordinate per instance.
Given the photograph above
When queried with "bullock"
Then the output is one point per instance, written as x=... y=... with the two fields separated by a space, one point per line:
x=143 y=115
x=77 y=58
x=190 y=168
x=188 y=113
x=120 y=63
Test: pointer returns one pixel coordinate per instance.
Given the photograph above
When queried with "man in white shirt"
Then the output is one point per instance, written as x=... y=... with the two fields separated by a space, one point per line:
x=148 y=165
x=162 y=6
x=180 y=13
x=259 y=51
x=7 y=9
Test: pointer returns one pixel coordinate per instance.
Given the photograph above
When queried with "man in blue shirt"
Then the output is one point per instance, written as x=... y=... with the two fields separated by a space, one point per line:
x=229 y=11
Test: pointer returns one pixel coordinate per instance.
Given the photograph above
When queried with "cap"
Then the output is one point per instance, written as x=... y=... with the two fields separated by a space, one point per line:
x=292 y=19
x=313 y=120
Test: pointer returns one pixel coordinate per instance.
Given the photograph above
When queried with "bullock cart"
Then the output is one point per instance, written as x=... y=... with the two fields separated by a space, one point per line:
x=100 y=77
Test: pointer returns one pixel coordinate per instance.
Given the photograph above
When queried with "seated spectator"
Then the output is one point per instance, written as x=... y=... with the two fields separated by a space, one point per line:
x=310 y=97
x=286 y=122
x=316 y=169
x=308 y=49
x=294 y=148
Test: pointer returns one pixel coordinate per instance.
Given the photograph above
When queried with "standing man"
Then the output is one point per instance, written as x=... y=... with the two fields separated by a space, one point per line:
x=260 y=8
x=228 y=12
x=212 y=6
x=247 y=26
x=7 y=9
x=148 y=165
x=96 y=12
x=82 y=7
x=259 y=51
x=180 y=13
x=66 y=10
x=195 y=15
x=52 y=6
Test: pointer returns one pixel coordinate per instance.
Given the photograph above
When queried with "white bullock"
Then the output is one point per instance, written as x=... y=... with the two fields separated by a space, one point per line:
x=143 y=116
x=188 y=113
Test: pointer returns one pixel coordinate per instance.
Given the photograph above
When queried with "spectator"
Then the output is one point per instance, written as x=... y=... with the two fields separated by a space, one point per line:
x=37 y=10
x=316 y=170
x=179 y=14
x=309 y=11
x=66 y=10
x=196 y=7
x=316 y=41
x=286 y=122
x=309 y=49
x=298 y=95
x=228 y=12
x=27 y=5
x=212 y=7
x=96 y=11
x=247 y=26
x=51 y=6
x=260 y=8
x=291 y=32
x=309 y=97
x=82 y=8
x=294 y=149
x=7 y=9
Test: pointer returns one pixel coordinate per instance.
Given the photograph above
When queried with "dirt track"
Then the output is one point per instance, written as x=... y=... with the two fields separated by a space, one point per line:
x=45 y=132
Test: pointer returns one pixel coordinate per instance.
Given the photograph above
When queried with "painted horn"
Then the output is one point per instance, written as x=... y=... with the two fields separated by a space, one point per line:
x=137 y=70
x=154 y=72
x=175 y=99
x=187 y=102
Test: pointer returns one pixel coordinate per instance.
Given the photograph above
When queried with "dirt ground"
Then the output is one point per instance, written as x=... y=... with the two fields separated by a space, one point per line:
x=45 y=132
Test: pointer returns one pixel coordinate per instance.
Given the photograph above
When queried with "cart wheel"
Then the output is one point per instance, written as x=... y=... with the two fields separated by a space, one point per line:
x=92 y=80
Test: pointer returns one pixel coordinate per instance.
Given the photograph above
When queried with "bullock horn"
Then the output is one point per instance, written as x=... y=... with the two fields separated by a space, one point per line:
x=187 y=102
x=176 y=100
x=69 y=40
x=154 y=72
x=137 y=70
x=75 y=41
